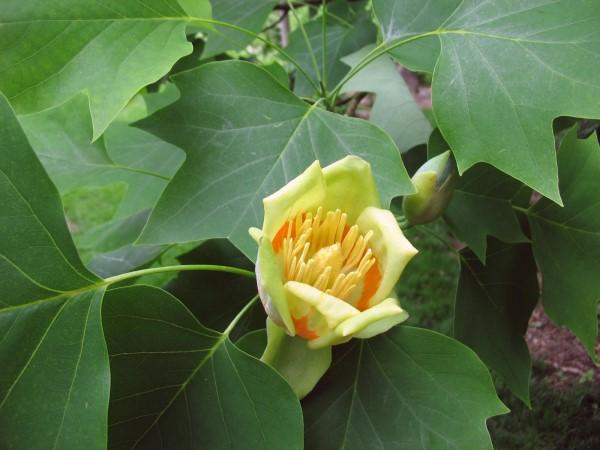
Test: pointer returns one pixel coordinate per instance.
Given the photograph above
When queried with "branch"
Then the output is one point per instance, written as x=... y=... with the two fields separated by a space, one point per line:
x=284 y=14
x=354 y=102
x=286 y=7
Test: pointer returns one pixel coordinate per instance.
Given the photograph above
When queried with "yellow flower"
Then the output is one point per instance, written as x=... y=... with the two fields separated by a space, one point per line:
x=329 y=256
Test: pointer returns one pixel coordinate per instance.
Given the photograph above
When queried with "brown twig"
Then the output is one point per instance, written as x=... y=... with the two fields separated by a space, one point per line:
x=286 y=7
x=284 y=30
x=284 y=14
x=354 y=102
x=343 y=100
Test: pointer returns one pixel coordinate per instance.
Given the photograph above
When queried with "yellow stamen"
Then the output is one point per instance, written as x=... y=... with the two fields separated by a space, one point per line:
x=323 y=251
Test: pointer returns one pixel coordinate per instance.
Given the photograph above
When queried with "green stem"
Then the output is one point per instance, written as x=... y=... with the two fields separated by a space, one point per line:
x=378 y=51
x=319 y=85
x=239 y=315
x=439 y=238
x=523 y=210
x=274 y=46
x=178 y=268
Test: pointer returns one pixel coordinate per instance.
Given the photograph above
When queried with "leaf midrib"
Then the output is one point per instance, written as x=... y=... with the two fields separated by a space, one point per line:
x=268 y=175
x=183 y=387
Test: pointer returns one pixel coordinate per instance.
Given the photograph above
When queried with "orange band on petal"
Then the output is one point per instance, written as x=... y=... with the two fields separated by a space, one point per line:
x=282 y=234
x=371 y=284
x=302 y=329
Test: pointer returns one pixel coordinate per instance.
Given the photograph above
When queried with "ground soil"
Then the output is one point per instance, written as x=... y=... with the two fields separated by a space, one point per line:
x=567 y=363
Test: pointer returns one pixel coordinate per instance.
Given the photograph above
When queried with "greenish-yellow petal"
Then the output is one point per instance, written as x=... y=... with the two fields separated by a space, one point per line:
x=306 y=192
x=333 y=309
x=391 y=248
x=255 y=233
x=373 y=321
x=327 y=340
x=350 y=187
x=270 y=286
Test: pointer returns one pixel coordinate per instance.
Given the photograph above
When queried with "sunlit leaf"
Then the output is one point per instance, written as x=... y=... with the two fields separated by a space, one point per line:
x=498 y=63
x=242 y=13
x=395 y=109
x=53 y=50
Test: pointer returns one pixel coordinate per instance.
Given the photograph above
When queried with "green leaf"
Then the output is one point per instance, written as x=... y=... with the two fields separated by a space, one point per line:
x=61 y=138
x=409 y=388
x=248 y=15
x=253 y=342
x=216 y=297
x=400 y=19
x=141 y=162
x=566 y=241
x=482 y=206
x=55 y=376
x=348 y=29
x=395 y=109
x=53 y=50
x=498 y=61
x=179 y=385
x=278 y=72
x=113 y=249
x=55 y=380
x=436 y=144
x=492 y=310
x=245 y=136
x=39 y=259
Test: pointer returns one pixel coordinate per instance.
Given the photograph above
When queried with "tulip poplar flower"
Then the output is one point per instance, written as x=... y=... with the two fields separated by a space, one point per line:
x=329 y=258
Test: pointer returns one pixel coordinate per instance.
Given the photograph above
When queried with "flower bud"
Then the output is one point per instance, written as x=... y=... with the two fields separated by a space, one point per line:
x=434 y=182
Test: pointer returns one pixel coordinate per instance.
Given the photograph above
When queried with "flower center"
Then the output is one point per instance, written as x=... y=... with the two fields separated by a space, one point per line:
x=322 y=250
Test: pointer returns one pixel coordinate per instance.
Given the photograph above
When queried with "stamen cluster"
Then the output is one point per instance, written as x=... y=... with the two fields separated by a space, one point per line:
x=323 y=251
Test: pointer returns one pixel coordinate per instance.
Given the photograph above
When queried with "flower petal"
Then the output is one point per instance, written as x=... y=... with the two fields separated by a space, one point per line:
x=333 y=309
x=373 y=321
x=306 y=192
x=350 y=187
x=389 y=245
x=327 y=340
x=301 y=367
x=270 y=286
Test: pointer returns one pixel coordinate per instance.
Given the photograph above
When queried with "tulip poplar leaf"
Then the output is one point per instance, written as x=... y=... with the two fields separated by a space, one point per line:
x=504 y=72
x=53 y=50
x=348 y=29
x=54 y=382
x=395 y=109
x=566 y=241
x=112 y=249
x=482 y=206
x=62 y=138
x=493 y=305
x=248 y=15
x=409 y=388
x=245 y=136
x=178 y=384
x=224 y=294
